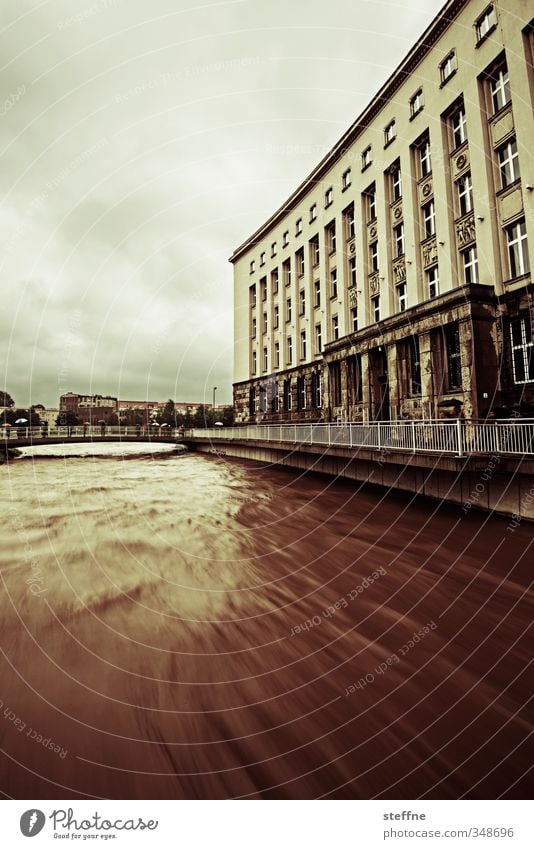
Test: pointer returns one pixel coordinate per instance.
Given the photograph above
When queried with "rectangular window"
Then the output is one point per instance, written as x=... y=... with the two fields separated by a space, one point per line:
x=432 y=282
x=458 y=127
x=314 y=250
x=373 y=257
x=367 y=157
x=264 y=325
x=354 y=319
x=288 y=401
x=370 y=198
x=328 y=197
x=275 y=399
x=298 y=227
x=415 y=366
x=464 y=187
x=265 y=359
x=333 y=283
x=277 y=355
x=499 y=84
x=302 y=302
x=424 y=158
x=274 y=281
x=317 y=399
x=352 y=271
x=346 y=179
x=334 y=371
x=252 y=401
x=416 y=103
x=254 y=362
x=288 y=309
x=317 y=293
x=508 y=163
x=349 y=222
x=286 y=272
x=273 y=249
x=485 y=24
x=330 y=237
x=516 y=238
x=470 y=264
x=522 y=349
x=303 y=345
x=402 y=299
x=262 y=258
x=289 y=350
x=301 y=393
x=389 y=132
x=299 y=256
x=252 y=296
x=285 y=239
x=335 y=328
x=318 y=339
x=354 y=379
x=263 y=398
x=375 y=307
x=263 y=288
x=254 y=329
x=429 y=219
x=395 y=182
x=252 y=266
x=313 y=212
x=448 y=67
x=398 y=235
x=276 y=319
x=454 y=357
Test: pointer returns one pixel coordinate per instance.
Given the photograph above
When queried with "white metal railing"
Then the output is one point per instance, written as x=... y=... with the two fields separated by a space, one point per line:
x=86 y=432
x=455 y=437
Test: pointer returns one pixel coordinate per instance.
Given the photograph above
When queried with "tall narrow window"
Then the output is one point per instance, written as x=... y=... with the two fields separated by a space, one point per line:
x=287 y=395
x=458 y=127
x=330 y=234
x=373 y=257
x=415 y=366
x=318 y=339
x=275 y=400
x=370 y=198
x=254 y=362
x=302 y=302
x=425 y=158
x=367 y=157
x=252 y=401
x=448 y=67
x=303 y=345
x=276 y=317
x=499 y=84
x=402 y=298
x=317 y=293
x=464 y=187
x=349 y=223
x=289 y=350
x=508 y=163
x=416 y=103
x=454 y=357
x=389 y=133
x=314 y=250
x=254 y=329
x=375 y=307
x=277 y=354
x=298 y=227
x=334 y=373
x=265 y=359
x=299 y=256
x=316 y=389
x=346 y=179
x=335 y=328
x=396 y=182
x=328 y=197
x=486 y=23
x=398 y=234
x=470 y=264
x=274 y=281
x=286 y=272
x=354 y=319
x=352 y=271
x=333 y=283
x=516 y=237
x=285 y=239
x=522 y=349
x=432 y=282
x=288 y=309
x=313 y=212
x=301 y=393
x=429 y=219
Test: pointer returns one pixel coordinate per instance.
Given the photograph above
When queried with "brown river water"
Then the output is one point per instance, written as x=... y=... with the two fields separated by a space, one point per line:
x=197 y=627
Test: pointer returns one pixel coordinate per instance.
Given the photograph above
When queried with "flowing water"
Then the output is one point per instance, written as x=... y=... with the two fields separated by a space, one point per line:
x=196 y=627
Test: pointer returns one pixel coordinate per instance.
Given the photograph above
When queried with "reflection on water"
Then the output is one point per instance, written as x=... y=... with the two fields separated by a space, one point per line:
x=191 y=627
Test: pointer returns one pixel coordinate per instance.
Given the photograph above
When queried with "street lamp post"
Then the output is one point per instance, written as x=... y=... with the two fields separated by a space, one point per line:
x=214 y=391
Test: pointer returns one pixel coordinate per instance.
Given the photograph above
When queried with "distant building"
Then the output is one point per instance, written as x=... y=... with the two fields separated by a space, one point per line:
x=89 y=408
x=48 y=415
x=395 y=282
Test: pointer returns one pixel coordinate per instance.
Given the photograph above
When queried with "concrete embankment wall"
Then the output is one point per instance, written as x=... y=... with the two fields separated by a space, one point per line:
x=492 y=482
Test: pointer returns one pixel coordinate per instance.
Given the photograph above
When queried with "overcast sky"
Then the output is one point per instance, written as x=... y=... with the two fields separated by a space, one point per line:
x=141 y=142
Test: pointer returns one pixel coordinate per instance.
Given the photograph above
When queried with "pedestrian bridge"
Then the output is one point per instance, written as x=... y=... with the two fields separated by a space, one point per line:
x=512 y=437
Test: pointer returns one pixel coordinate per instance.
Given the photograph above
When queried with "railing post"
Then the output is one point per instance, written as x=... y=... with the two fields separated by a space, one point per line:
x=378 y=435
x=459 y=437
x=413 y=437
x=329 y=434
x=295 y=434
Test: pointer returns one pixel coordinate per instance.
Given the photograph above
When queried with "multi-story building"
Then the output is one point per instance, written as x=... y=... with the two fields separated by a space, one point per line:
x=89 y=408
x=395 y=281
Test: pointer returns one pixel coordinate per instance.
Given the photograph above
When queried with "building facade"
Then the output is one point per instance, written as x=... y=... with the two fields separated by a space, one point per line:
x=395 y=282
